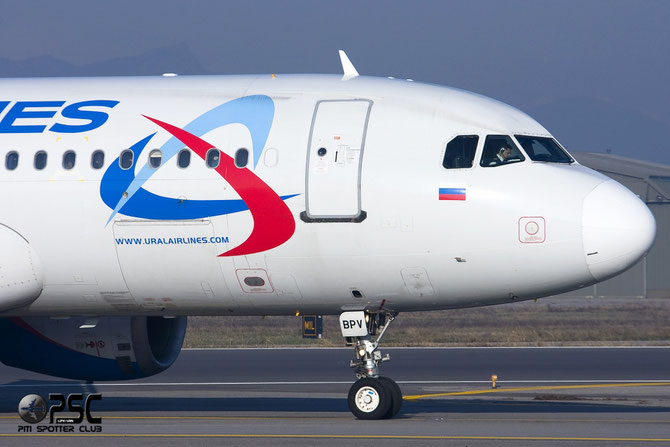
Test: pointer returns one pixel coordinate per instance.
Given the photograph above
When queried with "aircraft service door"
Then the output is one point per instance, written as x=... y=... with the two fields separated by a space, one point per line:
x=334 y=157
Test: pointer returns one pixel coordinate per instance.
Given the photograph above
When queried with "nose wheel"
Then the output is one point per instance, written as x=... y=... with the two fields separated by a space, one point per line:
x=372 y=396
x=369 y=398
x=396 y=396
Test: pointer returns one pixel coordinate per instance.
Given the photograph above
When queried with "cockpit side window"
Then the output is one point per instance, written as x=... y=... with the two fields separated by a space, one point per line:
x=500 y=150
x=460 y=152
x=543 y=149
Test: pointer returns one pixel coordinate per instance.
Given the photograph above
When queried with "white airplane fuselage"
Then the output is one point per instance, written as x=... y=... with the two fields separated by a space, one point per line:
x=360 y=226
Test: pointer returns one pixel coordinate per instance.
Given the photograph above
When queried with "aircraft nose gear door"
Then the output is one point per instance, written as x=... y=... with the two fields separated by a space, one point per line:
x=334 y=157
x=372 y=396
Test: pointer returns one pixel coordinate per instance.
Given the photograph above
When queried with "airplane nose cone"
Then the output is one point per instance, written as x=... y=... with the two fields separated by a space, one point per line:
x=617 y=229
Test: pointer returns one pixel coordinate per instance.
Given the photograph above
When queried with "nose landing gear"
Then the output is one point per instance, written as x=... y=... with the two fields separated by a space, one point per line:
x=371 y=396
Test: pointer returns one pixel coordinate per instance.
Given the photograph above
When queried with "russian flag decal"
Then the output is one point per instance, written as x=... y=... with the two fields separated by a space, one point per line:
x=452 y=193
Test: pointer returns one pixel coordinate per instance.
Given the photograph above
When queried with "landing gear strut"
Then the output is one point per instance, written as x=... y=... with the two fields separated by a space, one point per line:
x=371 y=396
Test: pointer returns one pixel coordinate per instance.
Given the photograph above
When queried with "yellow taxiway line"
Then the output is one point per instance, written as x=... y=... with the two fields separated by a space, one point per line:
x=408 y=437
x=536 y=388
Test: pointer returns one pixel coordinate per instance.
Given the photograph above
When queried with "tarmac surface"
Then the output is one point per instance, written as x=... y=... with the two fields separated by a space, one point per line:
x=544 y=396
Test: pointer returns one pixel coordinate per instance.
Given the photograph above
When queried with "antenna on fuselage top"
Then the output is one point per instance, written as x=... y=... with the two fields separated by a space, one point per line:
x=347 y=67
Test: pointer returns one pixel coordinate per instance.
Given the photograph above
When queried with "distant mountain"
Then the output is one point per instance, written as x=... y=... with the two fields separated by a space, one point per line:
x=36 y=66
x=174 y=59
x=593 y=125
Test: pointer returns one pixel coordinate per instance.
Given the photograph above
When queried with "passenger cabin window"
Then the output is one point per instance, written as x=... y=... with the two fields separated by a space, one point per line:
x=213 y=157
x=241 y=158
x=460 y=152
x=97 y=159
x=126 y=159
x=40 y=160
x=69 y=159
x=12 y=160
x=499 y=150
x=184 y=158
x=155 y=158
x=543 y=149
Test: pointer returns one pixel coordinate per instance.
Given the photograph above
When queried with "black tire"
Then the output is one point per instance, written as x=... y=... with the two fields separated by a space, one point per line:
x=369 y=399
x=396 y=396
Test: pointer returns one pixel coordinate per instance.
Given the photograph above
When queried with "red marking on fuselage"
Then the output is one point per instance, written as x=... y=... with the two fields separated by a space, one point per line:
x=273 y=222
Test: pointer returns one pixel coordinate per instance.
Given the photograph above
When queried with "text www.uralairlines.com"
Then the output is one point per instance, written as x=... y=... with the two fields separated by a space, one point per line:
x=171 y=240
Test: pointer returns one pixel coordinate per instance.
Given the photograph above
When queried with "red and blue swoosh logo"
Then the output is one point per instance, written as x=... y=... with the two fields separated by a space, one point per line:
x=122 y=190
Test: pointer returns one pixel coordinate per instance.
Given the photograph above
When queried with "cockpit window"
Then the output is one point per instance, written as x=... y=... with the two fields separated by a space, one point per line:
x=460 y=152
x=543 y=149
x=500 y=150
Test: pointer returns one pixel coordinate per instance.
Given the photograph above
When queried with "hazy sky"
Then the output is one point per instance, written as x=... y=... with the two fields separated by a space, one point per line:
x=595 y=73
